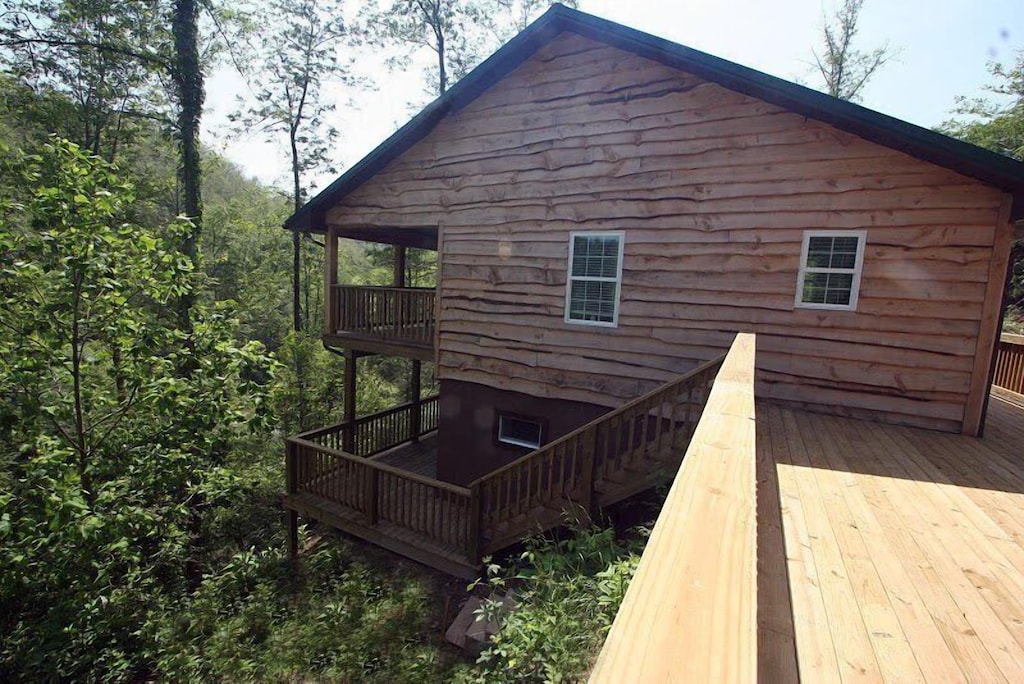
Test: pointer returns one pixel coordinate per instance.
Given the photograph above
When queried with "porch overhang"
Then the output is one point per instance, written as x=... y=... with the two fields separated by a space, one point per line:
x=419 y=237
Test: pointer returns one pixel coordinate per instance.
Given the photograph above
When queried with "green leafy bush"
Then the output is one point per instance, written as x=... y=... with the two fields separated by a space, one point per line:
x=565 y=595
x=115 y=426
x=259 y=619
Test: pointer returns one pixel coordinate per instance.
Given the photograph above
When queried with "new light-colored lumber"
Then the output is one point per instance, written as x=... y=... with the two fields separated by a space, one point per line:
x=690 y=613
x=913 y=541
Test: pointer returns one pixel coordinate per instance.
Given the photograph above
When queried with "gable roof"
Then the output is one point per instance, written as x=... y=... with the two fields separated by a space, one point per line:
x=964 y=158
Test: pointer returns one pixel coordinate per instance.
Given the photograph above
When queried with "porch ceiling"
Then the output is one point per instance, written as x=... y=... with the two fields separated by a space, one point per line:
x=420 y=237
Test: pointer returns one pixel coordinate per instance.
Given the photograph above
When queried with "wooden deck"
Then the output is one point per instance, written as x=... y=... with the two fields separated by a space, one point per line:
x=419 y=457
x=890 y=554
x=385 y=489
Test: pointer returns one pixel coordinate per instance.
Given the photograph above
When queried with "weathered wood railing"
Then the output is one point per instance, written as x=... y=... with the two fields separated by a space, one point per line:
x=626 y=445
x=404 y=314
x=376 y=493
x=696 y=585
x=1009 y=373
x=332 y=463
x=532 y=492
x=377 y=432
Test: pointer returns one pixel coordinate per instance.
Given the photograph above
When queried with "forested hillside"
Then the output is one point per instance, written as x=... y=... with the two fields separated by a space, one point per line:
x=141 y=463
x=151 y=360
x=160 y=335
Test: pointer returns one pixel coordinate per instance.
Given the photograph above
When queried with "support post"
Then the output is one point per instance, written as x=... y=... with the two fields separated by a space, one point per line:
x=399 y=278
x=473 y=531
x=293 y=535
x=348 y=435
x=416 y=418
x=330 y=280
x=291 y=487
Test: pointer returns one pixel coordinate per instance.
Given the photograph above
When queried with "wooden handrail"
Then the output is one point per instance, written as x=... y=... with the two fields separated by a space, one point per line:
x=426 y=406
x=604 y=418
x=696 y=584
x=339 y=286
x=383 y=467
x=1009 y=370
x=386 y=314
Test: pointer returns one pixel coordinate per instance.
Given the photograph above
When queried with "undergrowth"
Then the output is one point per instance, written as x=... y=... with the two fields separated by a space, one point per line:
x=331 y=619
x=565 y=594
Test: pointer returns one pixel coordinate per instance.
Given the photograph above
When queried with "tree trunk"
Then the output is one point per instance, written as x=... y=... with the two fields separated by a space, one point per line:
x=300 y=366
x=188 y=81
x=296 y=243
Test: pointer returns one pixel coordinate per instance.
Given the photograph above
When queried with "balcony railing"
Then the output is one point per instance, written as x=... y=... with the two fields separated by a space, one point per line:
x=375 y=433
x=402 y=315
x=696 y=584
x=1009 y=373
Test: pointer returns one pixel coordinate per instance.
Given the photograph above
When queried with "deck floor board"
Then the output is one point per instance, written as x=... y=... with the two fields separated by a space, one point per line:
x=904 y=548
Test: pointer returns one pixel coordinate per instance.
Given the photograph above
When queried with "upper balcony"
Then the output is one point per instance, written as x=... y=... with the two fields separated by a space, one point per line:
x=389 y=320
x=397 y=319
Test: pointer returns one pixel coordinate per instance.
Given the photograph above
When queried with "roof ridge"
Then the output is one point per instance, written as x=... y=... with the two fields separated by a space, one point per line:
x=937 y=148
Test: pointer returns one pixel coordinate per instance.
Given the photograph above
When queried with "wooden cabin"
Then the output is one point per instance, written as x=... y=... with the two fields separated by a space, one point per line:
x=608 y=210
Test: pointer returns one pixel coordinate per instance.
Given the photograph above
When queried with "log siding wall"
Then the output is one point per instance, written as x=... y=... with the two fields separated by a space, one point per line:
x=713 y=190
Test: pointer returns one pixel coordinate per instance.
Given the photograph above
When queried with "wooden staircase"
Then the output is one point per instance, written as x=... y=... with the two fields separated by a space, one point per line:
x=621 y=453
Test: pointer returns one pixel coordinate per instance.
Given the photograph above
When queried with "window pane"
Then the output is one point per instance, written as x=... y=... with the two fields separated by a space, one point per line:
x=840 y=260
x=595 y=257
x=844 y=252
x=819 y=252
x=591 y=300
x=519 y=431
x=828 y=288
x=815 y=286
x=840 y=287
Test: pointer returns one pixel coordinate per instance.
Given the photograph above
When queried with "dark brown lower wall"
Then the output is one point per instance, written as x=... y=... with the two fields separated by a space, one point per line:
x=467 y=431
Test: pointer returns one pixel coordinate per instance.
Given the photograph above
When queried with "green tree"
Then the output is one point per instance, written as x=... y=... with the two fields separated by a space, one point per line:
x=447 y=28
x=112 y=52
x=300 y=55
x=844 y=69
x=997 y=122
x=102 y=93
x=111 y=461
x=459 y=33
x=506 y=18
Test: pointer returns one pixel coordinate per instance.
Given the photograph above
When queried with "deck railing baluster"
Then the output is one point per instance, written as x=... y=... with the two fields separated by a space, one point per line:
x=568 y=468
x=385 y=312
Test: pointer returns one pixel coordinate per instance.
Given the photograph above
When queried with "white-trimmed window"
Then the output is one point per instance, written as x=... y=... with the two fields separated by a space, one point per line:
x=830 y=267
x=520 y=431
x=595 y=278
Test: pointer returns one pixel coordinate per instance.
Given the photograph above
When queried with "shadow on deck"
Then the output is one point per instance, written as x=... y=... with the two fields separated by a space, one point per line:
x=890 y=553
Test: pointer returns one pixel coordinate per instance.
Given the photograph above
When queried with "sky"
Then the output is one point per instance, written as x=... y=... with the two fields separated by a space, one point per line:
x=943 y=47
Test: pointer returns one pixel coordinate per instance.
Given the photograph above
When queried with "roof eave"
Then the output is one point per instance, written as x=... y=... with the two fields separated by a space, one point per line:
x=922 y=143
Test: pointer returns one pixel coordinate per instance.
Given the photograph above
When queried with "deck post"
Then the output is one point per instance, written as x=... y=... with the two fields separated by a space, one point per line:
x=348 y=436
x=291 y=487
x=293 y=535
x=331 y=322
x=415 y=418
x=475 y=528
x=399 y=278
